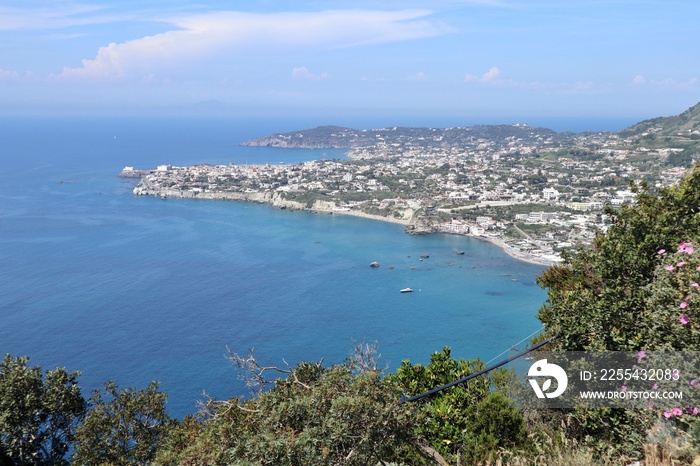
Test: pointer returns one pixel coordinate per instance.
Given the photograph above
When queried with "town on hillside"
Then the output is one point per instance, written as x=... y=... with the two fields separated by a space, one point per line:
x=532 y=191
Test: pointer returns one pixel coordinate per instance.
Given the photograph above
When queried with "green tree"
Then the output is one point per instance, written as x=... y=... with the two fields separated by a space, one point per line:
x=38 y=415
x=345 y=414
x=466 y=422
x=126 y=429
x=495 y=425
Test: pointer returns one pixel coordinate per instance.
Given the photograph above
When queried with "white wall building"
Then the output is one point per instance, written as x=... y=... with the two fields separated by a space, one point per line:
x=550 y=194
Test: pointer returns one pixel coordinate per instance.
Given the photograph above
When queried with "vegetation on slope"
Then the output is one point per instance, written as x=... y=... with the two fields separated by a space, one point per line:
x=680 y=132
x=687 y=122
x=336 y=137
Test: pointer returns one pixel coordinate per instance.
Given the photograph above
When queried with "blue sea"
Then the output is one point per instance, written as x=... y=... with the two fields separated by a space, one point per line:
x=134 y=289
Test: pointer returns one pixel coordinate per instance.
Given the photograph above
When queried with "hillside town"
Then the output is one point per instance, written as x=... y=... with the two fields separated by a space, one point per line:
x=534 y=193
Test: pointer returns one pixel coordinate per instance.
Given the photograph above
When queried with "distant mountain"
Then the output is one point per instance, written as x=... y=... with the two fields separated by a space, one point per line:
x=679 y=132
x=337 y=137
x=685 y=125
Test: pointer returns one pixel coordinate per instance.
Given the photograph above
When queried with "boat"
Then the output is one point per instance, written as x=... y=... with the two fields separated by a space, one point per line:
x=407 y=290
x=460 y=253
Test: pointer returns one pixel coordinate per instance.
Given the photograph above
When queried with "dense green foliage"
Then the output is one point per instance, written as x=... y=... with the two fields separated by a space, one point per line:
x=466 y=421
x=124 y=430
x=38 y=415
x=316 y=416
x=344 y=414
x=350 y=414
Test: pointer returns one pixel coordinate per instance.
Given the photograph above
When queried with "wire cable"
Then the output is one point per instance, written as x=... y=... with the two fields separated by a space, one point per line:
x=476 y=374
x=514 y=346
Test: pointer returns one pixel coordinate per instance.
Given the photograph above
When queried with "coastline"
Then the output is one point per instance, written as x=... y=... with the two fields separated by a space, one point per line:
x=515 y=254
x=356 y=213
x=502 y=245
x=319 y=207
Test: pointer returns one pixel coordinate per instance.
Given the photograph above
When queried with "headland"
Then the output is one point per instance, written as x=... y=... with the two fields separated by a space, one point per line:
x=531 y=191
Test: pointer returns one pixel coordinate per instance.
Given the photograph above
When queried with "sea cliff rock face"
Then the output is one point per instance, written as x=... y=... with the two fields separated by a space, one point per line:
x=276 y=199
x=272 y=198
x=323 y=206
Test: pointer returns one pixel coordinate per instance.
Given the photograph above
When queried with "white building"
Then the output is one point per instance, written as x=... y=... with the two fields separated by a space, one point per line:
x=550 y=194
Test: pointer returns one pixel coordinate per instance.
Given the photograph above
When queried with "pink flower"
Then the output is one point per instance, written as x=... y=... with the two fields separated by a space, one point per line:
x=623 y=388
x=695 y=410
x=668 y=414
x=661 y=251
x=684 y=305
x=641 y=354
x=684 y=319
x=680 y=264
x=694 y=285
x=694 y=383
x=677 y=411
x=655 y=386
x=685 y=247
x=670 y=267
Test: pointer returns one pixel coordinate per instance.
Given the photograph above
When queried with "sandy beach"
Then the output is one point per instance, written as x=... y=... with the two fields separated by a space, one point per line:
x=516 y=254
x=512 y=252
x=330 y=208
x=356 y=213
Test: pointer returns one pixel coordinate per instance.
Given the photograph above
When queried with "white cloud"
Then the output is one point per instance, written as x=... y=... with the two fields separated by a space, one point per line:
x=491 y=76
x=303 y=72
x=8 y=75
x=420 y=76
x=214 y=34
x=639 y=80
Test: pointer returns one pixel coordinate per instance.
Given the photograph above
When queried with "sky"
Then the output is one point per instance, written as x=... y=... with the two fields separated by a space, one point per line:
x=485 y=59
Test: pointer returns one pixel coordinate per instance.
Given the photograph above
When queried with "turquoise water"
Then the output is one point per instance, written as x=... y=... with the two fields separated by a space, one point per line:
x=133 y=289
